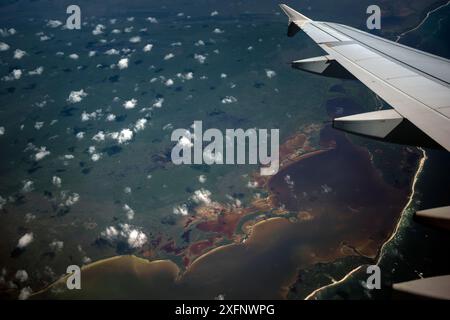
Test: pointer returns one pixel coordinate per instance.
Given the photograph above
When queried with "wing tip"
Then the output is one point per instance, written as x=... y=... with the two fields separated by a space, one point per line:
x=292 y=14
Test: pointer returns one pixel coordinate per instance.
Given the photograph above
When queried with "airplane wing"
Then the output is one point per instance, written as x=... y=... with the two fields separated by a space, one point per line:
x=414 y=83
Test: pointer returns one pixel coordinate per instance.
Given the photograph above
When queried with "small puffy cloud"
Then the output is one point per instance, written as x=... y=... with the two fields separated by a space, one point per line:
x=98 y=29
x=28 y=186
x=38 y=125
x=181 y=210
x=134 y=237
x=202 y=178
x=56 y=245
x=169 y=56
x=2 y=131
x=202 y=196
x=135 y=39
x=76 y=96
x=69 y=199
x=41 y=154
x=158 y=103
x=130 y=104
x=88 y=116
x=112 y=51
x=270 y=73
x=140 y=125
x=229 y=99
x=218 y=31
x=16 y=74
x=80 y=135
x=95 y=157
x=21 y=275
x=25 y=293
x=54 y=23
x=36 y=72
x=123 y=136
x=4 y=46
x=168 y=83
x=128 y=211
x=73 y=56
x=148 y=48
x=123 y=63
x=186 y=76
x=214 y=13
x=199 y=43
x=200 y=58
x=19 y=54
x=25 y=240
x=152 y=20
x=99 y=136
x=110 y=117
x=56 y=181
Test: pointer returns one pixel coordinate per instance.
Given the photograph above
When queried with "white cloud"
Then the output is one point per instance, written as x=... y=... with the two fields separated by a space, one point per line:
x=202 y=196
x=140 y=125
x=218 y=31
x=199 y=43
x=136 y=239
x=112 y=51
x=123 y=63
x=202 y=178
x=54 y=23
x=19 y=54
x=88 y=116
x=70 y=199
x=25 y=240
x=2 y=131
x=56 y=181
x=21 y=275
x=130 y=104
x=38 y=125
x=36 y=72
x=152 y=20
x=110 y=117
x=129 y=212
x=98 y=29
x=41 y=154
x=133 y=236
x=99 y=136
x=80 y=135
x=123 y=136
x=135 y=39
x=158 y=103
x=28 y=186
x=76 y=96
x=56 y=245
x=16 y=74
x=200 y=58
x=181 y=210
x=169 y=56
x=270 y=73
x=25 y=293
x=73 y=56
x=214 y=13
x=4 y=46
x=229 y=99
x=148 y=48
x=186 y=76
x=95 y=157
x=168 y=83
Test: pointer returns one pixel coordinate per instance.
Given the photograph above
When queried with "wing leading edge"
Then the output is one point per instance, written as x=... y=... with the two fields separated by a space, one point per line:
x=415 y=83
